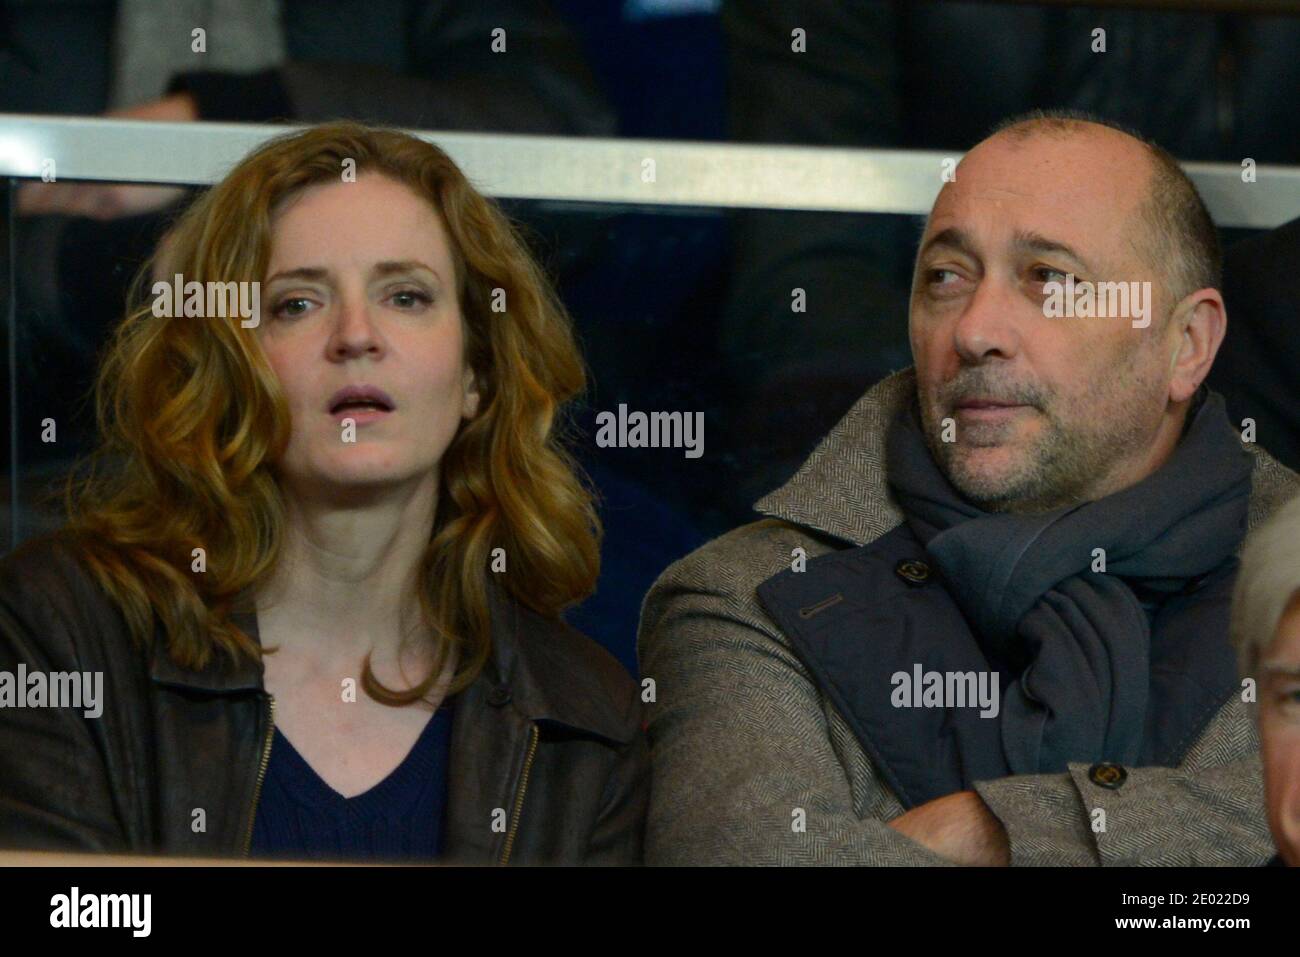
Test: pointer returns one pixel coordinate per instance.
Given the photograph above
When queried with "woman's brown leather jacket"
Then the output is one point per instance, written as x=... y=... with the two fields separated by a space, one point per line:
x=548 y=755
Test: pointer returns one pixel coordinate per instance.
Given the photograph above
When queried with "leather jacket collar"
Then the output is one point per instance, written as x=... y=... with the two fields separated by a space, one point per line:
x=529 y=681
x=520 y=670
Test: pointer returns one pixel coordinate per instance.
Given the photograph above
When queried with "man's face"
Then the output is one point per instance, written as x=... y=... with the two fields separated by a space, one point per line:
x=1040 y=411
x=1279 y=734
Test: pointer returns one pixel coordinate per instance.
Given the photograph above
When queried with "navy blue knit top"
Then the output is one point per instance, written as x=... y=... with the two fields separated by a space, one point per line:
x=301 y=817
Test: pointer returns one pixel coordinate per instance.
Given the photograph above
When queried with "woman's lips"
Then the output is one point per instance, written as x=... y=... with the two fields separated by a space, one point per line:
x=362 y=395
x=362 y=415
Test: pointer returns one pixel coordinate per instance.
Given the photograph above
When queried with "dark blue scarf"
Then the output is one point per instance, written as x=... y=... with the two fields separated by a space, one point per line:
x=1093 y=677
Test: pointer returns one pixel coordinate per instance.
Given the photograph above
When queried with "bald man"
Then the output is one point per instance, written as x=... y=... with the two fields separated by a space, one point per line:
x=986 y=622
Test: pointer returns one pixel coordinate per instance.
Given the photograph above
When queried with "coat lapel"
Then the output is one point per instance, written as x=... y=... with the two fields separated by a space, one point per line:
x=527 y=680
x=868 y=634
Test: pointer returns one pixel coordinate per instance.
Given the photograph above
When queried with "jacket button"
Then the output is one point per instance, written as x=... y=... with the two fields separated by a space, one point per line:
x=913 y=571
x=499 y=696
x=1107 y=775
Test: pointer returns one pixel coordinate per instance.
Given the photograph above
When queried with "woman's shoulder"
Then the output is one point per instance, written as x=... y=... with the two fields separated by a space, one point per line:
x=49 y=596
x=48 y=566
x=571 y=674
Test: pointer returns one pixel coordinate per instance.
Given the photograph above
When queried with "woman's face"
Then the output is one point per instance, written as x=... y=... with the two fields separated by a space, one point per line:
x=360 y=291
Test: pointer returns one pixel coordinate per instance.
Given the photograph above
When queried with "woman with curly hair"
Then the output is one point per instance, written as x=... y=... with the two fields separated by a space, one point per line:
x=320 y=557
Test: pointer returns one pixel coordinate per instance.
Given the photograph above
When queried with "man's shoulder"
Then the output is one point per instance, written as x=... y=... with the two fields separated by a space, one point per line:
x=1272 y=485
x=728 y=570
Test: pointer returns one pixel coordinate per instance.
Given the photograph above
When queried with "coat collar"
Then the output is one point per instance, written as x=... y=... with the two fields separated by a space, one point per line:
x=841 y=489
x=537 y=665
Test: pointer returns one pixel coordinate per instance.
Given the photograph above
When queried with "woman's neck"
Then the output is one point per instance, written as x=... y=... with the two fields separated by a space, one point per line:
x=346 y=578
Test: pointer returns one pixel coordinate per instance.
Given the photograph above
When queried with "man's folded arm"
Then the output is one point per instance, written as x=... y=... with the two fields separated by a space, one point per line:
x=745 y=767
x=1208 y=811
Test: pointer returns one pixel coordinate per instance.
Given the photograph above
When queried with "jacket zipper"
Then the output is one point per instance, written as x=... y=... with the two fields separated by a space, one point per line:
x=519 y=798
x=261 y=773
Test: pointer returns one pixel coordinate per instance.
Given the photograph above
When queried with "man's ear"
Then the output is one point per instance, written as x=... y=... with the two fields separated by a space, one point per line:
x=1198 y=325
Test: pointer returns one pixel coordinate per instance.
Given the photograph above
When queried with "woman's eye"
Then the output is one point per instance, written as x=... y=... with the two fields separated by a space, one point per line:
x=414 y=295
x=288 y=307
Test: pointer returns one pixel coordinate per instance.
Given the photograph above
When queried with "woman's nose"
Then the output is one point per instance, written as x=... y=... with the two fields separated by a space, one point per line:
x=354 y=330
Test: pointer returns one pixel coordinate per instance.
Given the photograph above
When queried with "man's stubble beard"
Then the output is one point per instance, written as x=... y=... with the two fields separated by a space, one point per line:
x=1081 y=442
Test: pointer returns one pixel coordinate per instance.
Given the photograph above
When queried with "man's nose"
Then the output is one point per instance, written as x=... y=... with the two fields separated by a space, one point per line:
x=987 y=327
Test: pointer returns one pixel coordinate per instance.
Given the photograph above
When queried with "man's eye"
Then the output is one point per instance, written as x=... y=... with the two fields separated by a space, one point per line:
x=1048 y=274
x=943 y=277
x=288 y=307
x=1288 y=699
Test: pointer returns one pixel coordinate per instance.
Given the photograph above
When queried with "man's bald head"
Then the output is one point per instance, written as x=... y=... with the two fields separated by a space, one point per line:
x=1050 y=410
x=1178 y=238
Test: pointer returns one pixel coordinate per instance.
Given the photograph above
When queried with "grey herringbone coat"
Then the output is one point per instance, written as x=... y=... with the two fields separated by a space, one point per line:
x=742 y=737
